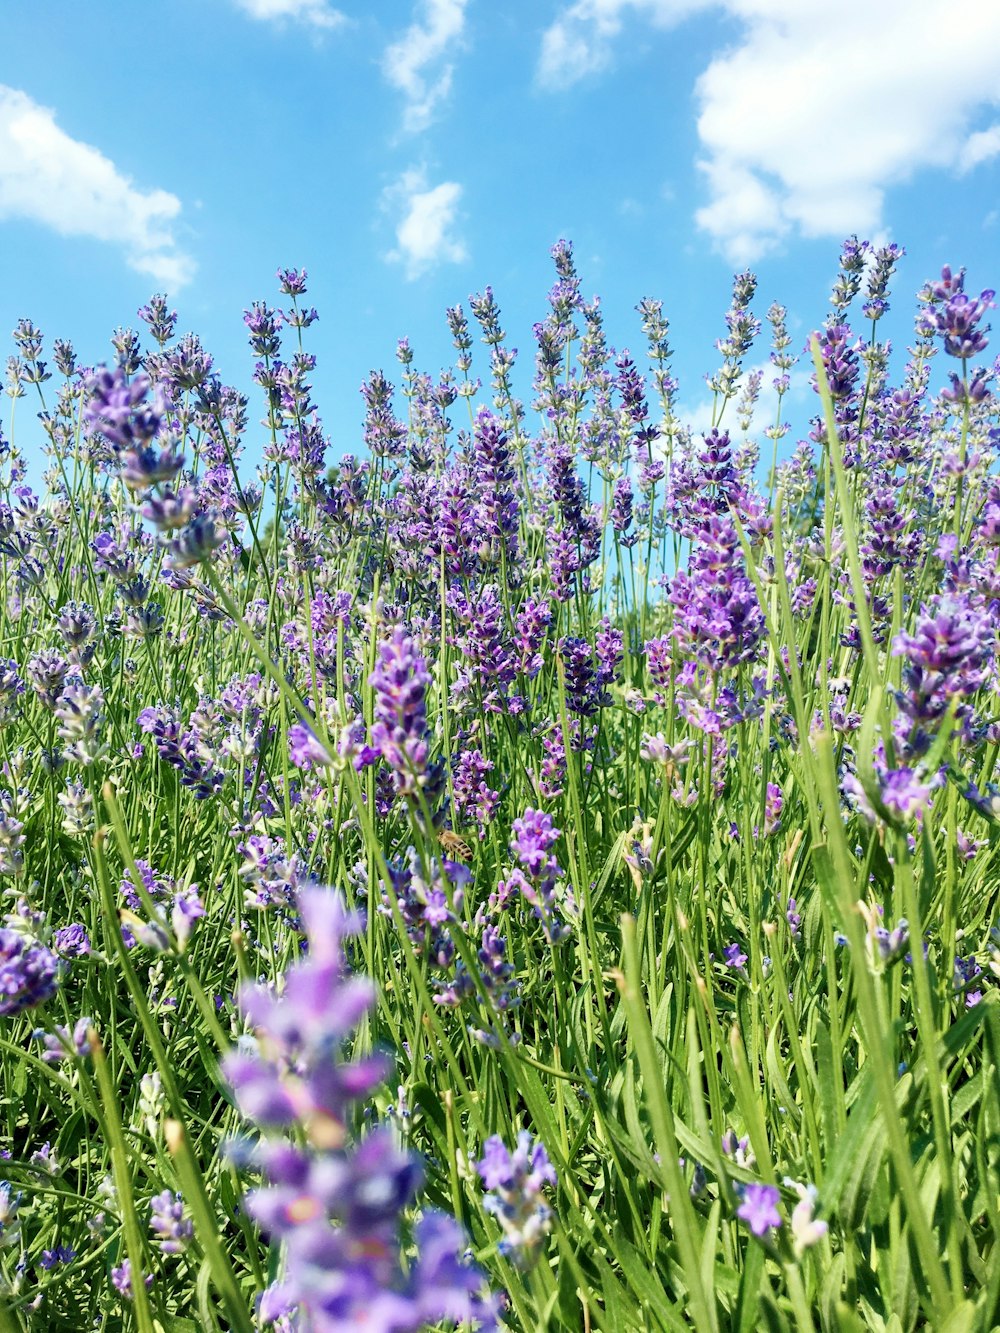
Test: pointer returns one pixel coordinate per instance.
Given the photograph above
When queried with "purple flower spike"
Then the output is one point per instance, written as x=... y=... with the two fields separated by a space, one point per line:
x=516 y=1180
x=400 y=681
x=300 y=1078
x=304 y=750
x=72 y=941
x=62 y=1254
x=29 y=973
x=292 y=281
x=168 y=1224
x=534 y=837
x=121 y=1279
x=335 y=1207
x=954 y=315
x=948 y=656
x=119 y=411
x=195 y=542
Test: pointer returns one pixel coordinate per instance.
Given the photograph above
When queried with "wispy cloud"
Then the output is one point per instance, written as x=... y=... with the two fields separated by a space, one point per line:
x=417 y=64
x=424 y=232
x=796 y=141
x=312 y=13
x=580 y=40
x=979 y=148
x=72 y=188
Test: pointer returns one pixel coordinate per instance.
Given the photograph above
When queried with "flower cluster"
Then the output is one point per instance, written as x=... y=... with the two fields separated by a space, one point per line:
x=516 y=1181
x=29 y=973
x=399 y=733
x=337 y=1207
x=537 y=878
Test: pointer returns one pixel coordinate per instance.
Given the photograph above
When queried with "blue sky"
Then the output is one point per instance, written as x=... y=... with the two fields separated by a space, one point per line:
x=408 y=152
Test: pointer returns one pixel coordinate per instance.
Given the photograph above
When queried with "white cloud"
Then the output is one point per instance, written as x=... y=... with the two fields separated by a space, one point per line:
x=314 y=13
x=744 y=208
x=47 y=177
x=799 y=134
x=424 y=234
x=824 y=138
x=580 y=41
x=979 y=147
x=416 y=65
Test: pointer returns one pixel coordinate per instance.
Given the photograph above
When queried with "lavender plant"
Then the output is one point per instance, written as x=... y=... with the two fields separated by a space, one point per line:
x=538 y=870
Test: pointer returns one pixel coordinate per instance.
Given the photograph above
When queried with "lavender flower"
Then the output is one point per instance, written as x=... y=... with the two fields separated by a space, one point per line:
x=29 y=973
x=400 y=681
x=794 y=919
x=72 y=941
x=534 y=835
x=61 y=1254
x=273 y=876
x=263 y=324
x=773 y=804
x=496 y=977
x=735 y=957
x=145 y=467
x=305 y=751
x=77 y=626
x=119 y=411
x=292 y=281
x=966 y=971
x=515 y=1181
x=194 y=543
x=425 y=903
x=79 y=711
x=63 y=1044
x=168 y=1222
x=11 y=686
x=47 y=673
x=759 y=1208
x=160 y=321
x=473 y=795
x=12 y=839
x=883 y=946
x=948 y=656
x=954 y=315
x=335 y=1208
x=121 y=1279
x=300 y=1078
x=807 y=1230
x=10 y=1227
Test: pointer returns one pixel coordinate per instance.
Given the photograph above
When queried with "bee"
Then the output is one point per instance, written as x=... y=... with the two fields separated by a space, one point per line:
x=454 y=846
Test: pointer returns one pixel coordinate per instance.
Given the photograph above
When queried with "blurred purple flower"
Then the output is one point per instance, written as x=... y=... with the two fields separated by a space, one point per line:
x=168 y=1222
x=29 y=973
x=534 y=836
x=118 y=408
x=62 y=1254
x=121 y=1279
x=759 y=1208
x=305 y=751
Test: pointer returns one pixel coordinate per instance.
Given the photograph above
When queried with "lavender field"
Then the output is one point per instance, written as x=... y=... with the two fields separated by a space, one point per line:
x=538 y=871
